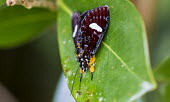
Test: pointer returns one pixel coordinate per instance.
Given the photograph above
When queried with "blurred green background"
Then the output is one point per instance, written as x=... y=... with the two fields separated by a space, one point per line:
x=30 y=72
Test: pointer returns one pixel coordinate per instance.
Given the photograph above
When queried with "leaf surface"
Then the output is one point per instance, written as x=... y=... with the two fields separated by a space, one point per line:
x=2 y=2
x=163 y=70
x=122 y=68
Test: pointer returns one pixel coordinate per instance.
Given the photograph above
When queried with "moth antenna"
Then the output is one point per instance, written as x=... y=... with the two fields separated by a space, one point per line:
x=91 y=76
x=81 y=75
x=74 y=81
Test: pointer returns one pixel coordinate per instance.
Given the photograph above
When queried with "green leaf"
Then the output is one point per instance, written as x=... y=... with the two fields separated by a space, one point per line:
x=161 y=94
x=160 y=45
x=166 y=93
x=162 y=71
x=2 y=2
x=122 y=68
x=19 y=25
x=160 y=48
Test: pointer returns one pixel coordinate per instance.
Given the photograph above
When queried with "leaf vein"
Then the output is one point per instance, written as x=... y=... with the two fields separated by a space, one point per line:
x=120 y=59
x=65 y=7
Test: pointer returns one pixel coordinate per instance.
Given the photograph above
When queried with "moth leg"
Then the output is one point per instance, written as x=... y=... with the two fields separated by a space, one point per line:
x=81 y=76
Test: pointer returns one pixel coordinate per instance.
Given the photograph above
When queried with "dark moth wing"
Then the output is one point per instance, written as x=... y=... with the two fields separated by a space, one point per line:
x=76 y=23
x=93 y=26
x=88 y=31
x=75 y=26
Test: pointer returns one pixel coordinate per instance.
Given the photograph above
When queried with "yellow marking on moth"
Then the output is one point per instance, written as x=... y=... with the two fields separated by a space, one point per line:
x=91 y=68
x=92 y=60
x=81 y=71
x=82 y=52
x=78 y=43
x=78 y=47
x=76 y=55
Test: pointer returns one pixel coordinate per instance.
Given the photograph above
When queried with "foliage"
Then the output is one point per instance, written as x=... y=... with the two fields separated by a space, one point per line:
x=122 y=69
x=20 y=25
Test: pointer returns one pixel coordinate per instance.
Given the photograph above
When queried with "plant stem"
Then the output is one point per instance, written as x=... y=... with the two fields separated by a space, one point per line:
x=33 y=3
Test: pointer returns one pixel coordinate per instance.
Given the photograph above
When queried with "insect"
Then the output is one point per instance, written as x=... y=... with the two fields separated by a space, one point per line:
x=88 y=31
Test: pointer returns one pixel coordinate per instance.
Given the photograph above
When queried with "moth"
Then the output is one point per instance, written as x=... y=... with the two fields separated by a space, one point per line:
x=88 y=30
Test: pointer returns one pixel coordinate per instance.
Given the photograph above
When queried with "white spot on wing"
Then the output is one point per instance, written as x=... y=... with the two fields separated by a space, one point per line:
x=75 y=31
x=96 y=27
